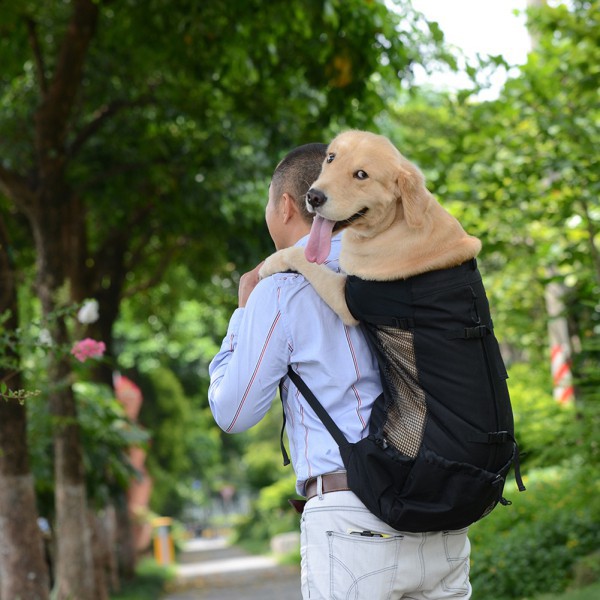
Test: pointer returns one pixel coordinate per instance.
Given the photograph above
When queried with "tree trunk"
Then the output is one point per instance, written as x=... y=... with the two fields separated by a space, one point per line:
x=55 y=216
x=23 y=567
x=101 y=557
x=74 y=569
x=57 y=219
x=109 y=523
x=126 y=551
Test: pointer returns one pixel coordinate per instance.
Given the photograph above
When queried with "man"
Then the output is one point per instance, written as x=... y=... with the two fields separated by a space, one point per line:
x=346 y=551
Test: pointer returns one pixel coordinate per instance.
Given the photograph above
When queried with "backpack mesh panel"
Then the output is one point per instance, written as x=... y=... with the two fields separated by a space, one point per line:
x=406 y=408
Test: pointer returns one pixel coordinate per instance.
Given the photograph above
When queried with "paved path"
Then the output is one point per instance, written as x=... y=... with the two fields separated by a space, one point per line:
x=212 y=570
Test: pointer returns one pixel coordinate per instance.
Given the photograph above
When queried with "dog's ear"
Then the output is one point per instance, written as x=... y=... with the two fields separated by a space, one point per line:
x=412 y=193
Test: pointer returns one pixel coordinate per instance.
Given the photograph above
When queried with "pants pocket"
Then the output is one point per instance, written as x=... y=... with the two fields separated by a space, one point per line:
x=457 y=548
x=362 y=567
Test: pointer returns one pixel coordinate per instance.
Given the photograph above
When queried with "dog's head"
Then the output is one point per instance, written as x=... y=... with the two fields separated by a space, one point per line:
x=366 y=184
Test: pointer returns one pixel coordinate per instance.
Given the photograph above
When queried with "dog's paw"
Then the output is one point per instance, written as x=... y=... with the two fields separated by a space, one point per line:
x=283 y=260
x=275 y=263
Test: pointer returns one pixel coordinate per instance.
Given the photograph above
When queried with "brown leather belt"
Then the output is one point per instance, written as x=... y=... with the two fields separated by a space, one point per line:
x=332 y=482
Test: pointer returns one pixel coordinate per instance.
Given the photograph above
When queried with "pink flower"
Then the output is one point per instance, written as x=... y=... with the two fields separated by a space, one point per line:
x=87 y=348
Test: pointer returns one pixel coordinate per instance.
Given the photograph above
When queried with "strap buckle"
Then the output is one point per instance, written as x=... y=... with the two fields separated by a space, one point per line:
x=475 y=332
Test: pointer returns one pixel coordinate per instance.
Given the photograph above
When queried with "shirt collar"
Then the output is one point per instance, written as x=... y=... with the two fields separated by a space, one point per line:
x=336 y=239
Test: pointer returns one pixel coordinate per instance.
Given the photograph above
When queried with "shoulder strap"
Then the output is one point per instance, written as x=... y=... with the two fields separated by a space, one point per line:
x=284 y=454
x=329 y=423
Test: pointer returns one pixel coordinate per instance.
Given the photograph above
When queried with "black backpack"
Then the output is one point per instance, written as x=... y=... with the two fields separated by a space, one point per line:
x=441 y=436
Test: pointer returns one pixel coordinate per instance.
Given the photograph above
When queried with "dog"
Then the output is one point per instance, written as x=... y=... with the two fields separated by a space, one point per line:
x=394 y=227
x=410 y=278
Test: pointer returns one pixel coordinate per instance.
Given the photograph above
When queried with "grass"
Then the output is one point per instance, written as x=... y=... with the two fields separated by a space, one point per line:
x=591 y=592
x=148 y=584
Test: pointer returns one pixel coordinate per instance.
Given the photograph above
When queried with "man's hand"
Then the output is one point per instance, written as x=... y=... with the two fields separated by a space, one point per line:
x=248 y=282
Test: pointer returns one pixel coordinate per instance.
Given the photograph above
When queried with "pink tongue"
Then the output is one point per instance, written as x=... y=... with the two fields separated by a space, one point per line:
x=319 y=243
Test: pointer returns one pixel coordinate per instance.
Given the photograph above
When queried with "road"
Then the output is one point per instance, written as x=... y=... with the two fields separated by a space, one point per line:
x=213 y=570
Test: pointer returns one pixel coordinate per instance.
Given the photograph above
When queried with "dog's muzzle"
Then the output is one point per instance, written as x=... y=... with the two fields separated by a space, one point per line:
x=315 y=197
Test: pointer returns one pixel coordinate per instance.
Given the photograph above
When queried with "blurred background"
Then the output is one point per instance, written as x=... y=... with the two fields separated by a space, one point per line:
x=137 y=140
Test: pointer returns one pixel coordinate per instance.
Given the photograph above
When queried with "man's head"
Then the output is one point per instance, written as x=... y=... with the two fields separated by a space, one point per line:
x=286 y=214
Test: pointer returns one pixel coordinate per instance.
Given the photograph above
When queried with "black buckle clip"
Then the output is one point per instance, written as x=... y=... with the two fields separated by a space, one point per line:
x=498 y=437
x=475 y=332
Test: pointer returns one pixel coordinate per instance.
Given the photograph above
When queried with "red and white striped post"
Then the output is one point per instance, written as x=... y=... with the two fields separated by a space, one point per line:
x=560 y=345
x=561 y=375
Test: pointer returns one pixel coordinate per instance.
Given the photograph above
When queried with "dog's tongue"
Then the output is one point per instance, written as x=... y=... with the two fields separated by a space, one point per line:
x=319 y=242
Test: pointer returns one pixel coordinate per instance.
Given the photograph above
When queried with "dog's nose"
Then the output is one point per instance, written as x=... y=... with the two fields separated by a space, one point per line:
x=315 y=197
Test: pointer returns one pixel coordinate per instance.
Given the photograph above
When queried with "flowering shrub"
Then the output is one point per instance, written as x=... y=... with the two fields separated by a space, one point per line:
x=87 y=348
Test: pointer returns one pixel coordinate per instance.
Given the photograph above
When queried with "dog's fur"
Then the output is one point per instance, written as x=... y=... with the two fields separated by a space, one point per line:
x=397 y=229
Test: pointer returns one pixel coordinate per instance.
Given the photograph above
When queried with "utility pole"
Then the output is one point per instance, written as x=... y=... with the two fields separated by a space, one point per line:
x=558 y=330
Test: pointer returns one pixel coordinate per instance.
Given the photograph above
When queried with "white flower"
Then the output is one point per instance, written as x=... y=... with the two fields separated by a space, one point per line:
x=45 y=338
x=88 y=313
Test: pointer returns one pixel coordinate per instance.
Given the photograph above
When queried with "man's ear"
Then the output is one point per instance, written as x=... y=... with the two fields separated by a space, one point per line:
x=288 y=207
x=412 y=193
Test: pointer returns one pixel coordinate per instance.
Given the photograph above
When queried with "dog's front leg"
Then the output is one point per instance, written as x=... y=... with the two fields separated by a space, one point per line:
x=328 y=284
x=279 y=262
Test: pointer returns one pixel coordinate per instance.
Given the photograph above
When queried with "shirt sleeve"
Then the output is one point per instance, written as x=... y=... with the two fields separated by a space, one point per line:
x=253 y=358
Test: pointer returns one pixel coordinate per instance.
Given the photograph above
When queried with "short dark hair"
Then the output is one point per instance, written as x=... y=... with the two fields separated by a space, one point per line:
x=296 y=172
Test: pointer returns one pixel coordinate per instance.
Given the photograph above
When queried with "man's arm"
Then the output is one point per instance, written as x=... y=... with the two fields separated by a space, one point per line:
x=244 y=375
x=248 y=281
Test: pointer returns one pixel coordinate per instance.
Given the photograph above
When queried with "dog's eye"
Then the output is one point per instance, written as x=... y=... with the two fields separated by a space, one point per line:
x=330 y=157
x=361 y=174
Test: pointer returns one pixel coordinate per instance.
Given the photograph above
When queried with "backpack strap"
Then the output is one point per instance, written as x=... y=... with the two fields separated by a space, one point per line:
x=469 y=333
x=405 y=323
x=501 y=437
x=329 y=423
x=284 y=454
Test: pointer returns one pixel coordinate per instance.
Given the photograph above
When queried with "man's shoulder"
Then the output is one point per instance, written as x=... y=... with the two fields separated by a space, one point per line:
x=285 y=278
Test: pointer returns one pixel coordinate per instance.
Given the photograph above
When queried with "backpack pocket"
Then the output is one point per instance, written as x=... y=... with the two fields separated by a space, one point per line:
x=428 y=493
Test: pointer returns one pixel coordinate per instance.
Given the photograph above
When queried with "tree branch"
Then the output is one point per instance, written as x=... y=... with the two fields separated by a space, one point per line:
x=101 y=116
x=109 y=258
x=15 y=188
x=53 y=113
x=38 y=57
x=165 y=261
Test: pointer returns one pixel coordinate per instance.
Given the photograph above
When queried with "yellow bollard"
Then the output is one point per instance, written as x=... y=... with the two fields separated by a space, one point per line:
x=164 y=549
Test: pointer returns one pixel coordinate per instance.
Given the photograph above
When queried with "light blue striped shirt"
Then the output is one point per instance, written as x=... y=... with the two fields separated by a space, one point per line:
x=285 y=322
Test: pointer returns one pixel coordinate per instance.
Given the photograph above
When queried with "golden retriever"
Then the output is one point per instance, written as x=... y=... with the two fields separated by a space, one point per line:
x=394 y=227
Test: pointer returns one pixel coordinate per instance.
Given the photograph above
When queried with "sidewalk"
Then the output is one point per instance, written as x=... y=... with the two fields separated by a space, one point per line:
x=213 y=570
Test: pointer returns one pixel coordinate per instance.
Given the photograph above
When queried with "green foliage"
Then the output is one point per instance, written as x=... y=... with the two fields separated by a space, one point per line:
x=184 y=443
x=519 y=172
x=184 y=132
x=545 y=430
x=106 y=436
x=270 y=515
x=587 y=593
x=534 y=545
x=149 y=582
x=270 y=512
x=586 y=570
x=263 y=462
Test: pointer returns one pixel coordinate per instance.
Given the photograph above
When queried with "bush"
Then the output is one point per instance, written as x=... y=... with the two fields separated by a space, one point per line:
x=586 y=570
x=543 y=427
x=534 y=545
x=149 y=581
x=269 y=515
